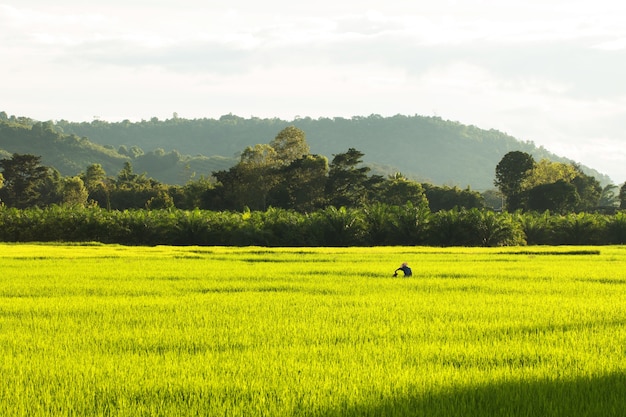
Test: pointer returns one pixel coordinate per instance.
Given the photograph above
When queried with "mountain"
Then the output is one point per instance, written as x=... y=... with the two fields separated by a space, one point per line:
x=426 y=149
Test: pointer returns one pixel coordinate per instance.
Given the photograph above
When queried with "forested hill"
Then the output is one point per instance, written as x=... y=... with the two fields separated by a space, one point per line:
x=426 y=149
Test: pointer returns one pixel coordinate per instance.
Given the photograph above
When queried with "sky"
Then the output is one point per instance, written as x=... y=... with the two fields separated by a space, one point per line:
x=547 y=71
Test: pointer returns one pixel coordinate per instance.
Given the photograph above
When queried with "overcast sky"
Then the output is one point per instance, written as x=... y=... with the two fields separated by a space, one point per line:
x=547 y=71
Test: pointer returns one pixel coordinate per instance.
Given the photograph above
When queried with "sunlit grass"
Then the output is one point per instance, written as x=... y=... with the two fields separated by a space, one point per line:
x=131 y=331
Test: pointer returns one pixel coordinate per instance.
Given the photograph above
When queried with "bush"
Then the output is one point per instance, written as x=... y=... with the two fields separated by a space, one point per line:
x=378 y=224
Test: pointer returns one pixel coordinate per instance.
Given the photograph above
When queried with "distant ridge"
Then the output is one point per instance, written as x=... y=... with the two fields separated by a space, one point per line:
x=426 y=149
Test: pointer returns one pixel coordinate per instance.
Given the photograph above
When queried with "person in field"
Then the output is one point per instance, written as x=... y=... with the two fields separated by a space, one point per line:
x=404 y=268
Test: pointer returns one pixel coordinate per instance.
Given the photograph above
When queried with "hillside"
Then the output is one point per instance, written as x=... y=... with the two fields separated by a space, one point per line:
x=67 y=153
x=427 y=149
x=71 y=155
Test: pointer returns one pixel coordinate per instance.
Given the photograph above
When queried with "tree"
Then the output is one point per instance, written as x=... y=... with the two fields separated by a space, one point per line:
x=346 y=184
x=493 y=199
x=74 y=192
x=301 y=185
x=94 y=177
x=398 y=190
x=128 y=178
x=256 y=172
x=131 y=190
x=98 y=185
x=51 y=188
x=548 y=172
x=589 y=190
x=23 y=176
x=559 y=197
x=290 y=144
x=248 y=183
x=511 y=172
x=194 y=193
x=447 y=198
x=622 y=196
x=609 y=198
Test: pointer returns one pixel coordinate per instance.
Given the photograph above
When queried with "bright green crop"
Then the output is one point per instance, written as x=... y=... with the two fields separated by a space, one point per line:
x=99 y=330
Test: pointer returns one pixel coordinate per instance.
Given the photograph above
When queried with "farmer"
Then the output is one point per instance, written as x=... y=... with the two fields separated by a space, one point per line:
x=404 y=268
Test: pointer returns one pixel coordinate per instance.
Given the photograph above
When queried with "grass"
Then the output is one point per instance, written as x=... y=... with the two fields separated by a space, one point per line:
x=105 y=330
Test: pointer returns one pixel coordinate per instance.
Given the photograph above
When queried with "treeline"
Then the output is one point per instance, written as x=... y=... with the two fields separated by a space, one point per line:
x=282 y=174
x=540 y=186
x=285 y=174
x=378 y=224
x=426 y=149
x=280 y=194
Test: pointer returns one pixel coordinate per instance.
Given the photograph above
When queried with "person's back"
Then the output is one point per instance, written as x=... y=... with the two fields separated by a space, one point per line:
x=405 y=269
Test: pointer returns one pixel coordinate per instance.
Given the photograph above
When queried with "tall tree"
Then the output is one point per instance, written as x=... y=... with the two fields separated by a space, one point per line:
x=248 y=183
x=589 y=191
x=622 y=196
x=131 y=190
x=51 y=188
x=609 y=198
x=302 y=183
x=276 y=173
x=98 y=185
x=347 y=181
x=511 y=172
x=74 y=192
x=290 y=144
x=23 y=176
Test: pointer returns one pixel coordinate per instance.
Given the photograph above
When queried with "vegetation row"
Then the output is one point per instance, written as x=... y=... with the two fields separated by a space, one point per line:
x=378 y=224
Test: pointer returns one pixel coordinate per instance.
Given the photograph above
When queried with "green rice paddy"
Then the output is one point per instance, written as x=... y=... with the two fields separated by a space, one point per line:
x=106 y=330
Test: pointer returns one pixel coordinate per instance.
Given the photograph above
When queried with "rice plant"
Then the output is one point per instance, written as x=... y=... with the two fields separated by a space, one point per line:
x=109 y=330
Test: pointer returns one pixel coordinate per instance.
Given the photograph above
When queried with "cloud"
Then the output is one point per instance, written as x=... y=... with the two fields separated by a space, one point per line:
x=547 y=71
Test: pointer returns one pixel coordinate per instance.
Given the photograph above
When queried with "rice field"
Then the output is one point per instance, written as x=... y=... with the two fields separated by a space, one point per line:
x=106 y=330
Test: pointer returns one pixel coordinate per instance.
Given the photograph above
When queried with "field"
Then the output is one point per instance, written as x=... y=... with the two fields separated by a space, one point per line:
x=105 y=330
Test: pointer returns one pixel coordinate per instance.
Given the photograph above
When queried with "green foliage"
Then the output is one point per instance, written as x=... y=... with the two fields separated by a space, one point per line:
x=560 y=197
x=24 y=178
x=537 y=227
x=347 y=179
x=475 y=227
x=339 y=226
x=622 y=196
x=302 y=184
x=511 y=172
x=423 y=148
x=74 y=192
x=447 y=198
x=396 y=225
x=616 y=228
x=580 y=229
x=399 y=190
x=375 y=224
x=608 y=197
x=68 y=153
x=290 y=144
